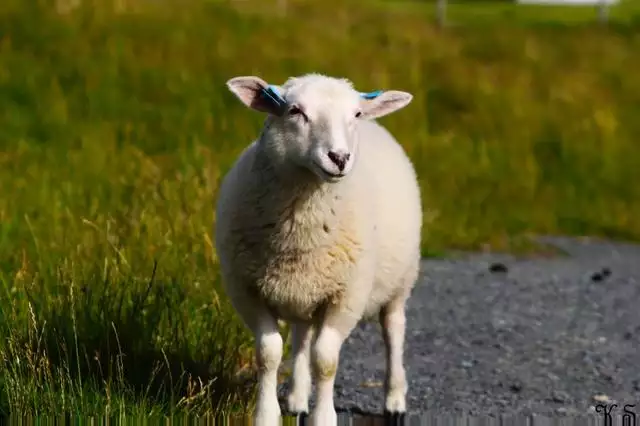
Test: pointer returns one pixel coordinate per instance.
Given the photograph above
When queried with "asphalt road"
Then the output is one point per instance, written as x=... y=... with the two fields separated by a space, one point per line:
x=547 y=336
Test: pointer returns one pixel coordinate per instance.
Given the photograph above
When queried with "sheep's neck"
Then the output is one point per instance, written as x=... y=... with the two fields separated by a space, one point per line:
x=295 y=204
x=297 y=255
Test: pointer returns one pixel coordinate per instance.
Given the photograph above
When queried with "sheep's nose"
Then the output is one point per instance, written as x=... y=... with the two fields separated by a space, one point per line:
x=339 y=158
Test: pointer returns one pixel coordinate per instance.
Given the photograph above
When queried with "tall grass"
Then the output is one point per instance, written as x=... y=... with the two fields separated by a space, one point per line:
x=116 y=128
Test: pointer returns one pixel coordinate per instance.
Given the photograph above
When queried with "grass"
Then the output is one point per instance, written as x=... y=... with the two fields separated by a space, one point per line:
x=116 y=128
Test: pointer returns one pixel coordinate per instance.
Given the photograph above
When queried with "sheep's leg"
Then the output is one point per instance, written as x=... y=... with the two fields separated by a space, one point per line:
x=298 y=399
x=336 y=326
x=269 y=355
x=269 y=347
x=393 y=321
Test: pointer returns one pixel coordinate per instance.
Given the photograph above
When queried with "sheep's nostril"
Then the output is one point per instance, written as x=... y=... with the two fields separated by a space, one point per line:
x=339 y=159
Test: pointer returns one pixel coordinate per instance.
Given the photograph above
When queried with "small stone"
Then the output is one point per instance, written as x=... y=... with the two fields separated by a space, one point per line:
x=601 y=398
x=561 y=410
x=553 y=377
x=559 y=396
x=607 y=376
x=515 y=387
x=498 y=267
x=467 y=364
x=600 y=276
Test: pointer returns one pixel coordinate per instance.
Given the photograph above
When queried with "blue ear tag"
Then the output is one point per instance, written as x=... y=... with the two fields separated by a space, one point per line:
x=371 y=95
x=271 y=93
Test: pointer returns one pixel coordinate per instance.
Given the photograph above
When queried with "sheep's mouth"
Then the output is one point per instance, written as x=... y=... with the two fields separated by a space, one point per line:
x=328 y=175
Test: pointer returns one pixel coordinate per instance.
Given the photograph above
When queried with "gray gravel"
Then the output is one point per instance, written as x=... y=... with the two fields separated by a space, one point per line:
x=545 y=336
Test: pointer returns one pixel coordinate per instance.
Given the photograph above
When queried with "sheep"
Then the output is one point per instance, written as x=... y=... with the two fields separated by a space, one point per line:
x=318 y=223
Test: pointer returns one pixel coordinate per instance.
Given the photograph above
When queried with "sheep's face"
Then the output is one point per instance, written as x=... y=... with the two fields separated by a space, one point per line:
x=319 y=126
x=314 y=119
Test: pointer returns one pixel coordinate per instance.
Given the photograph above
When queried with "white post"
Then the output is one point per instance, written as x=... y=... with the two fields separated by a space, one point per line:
x=603 y=12
x=441 y=12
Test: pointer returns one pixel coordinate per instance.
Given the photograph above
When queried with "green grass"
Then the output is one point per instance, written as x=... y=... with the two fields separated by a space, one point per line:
x=117 y=127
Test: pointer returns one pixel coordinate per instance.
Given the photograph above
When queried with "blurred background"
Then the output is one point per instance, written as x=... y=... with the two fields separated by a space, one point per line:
x=116 y=127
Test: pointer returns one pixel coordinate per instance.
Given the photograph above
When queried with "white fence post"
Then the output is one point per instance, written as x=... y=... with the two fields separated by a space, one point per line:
x=441 y=12
x=603 y=12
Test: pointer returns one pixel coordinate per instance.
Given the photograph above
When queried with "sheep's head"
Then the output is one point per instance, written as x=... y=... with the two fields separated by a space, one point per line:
x=312 y=120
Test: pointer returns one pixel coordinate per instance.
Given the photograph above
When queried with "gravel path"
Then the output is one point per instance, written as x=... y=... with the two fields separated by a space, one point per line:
x=543 y=336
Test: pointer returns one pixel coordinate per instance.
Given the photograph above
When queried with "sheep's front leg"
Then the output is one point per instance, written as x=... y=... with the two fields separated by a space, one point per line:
x=393 y=321
x=336 y=327
x=269 y=345
x=298 y=399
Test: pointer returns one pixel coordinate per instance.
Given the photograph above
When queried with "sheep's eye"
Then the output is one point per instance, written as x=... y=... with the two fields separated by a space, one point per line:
x=297 y=111
x=358 y=114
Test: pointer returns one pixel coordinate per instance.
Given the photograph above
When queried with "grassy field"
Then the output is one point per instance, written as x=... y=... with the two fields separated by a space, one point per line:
x=116 y=128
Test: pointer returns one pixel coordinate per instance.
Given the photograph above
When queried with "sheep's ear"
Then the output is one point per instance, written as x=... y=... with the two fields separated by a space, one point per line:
x=257 y=94
x=380 y=103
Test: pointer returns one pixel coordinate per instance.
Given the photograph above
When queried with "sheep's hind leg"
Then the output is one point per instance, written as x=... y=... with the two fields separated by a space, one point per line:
x=300 y=390
x=393 y=321
x=269 y=347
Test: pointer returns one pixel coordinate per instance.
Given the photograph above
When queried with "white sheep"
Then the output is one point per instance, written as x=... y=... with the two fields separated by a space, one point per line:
x=318 y=223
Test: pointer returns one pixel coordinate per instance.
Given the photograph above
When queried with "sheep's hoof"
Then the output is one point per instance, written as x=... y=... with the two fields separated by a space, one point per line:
x=395 y=401
x=300 y=415
x=301 y=419
x=298 y=403
x=394 y=418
